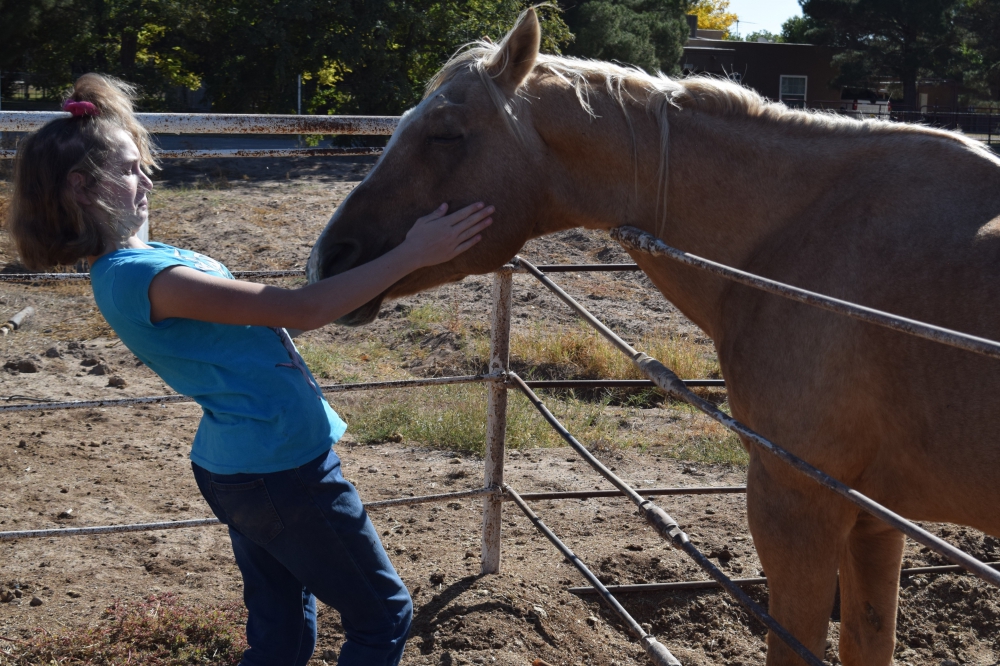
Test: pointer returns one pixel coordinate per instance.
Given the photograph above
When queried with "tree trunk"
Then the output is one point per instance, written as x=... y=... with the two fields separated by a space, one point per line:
x=909 y=81
x=129 y=48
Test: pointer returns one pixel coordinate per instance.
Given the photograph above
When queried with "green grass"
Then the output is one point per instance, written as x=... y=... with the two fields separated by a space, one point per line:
x=723 y=449
x=454 y=417
x=159 y=631
x=706 y=441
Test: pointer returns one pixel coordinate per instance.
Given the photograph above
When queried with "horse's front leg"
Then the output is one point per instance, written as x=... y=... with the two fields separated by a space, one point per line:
x=869 y=590
x=799 y=531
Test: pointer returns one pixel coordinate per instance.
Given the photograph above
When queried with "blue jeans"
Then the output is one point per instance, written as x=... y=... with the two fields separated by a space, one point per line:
x=304 y=532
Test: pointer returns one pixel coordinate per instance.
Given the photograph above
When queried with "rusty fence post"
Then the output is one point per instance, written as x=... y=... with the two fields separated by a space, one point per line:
x=496 y=419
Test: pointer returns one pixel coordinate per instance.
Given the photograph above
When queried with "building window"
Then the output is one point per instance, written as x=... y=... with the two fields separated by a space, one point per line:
x=793 y=90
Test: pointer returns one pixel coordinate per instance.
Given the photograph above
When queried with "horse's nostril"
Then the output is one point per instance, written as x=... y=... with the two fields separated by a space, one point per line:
x=340 y=257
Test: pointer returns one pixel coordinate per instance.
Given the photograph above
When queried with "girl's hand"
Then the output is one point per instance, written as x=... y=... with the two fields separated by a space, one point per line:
x=437 y=238
x=179 y=291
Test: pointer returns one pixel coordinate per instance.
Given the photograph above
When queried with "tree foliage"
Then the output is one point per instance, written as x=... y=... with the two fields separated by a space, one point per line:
x=713 y=15
x=980 y=21
x=645 y=33
x=57 y=40
x=801 y=30
x=902 y=39
x=370 y=56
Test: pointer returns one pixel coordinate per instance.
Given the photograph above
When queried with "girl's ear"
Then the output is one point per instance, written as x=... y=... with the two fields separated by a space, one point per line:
x=78 y=183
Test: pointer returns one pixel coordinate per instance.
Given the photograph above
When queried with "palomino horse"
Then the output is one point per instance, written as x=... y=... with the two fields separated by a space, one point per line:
x=896 y=217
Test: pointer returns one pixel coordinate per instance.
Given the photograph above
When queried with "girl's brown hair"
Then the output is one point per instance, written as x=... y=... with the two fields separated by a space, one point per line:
x=45 y=221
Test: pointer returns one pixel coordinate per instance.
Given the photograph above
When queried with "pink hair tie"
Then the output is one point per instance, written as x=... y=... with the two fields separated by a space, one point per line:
x=78 y=109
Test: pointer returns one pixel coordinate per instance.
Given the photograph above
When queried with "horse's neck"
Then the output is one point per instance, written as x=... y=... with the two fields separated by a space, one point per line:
x=730 y=187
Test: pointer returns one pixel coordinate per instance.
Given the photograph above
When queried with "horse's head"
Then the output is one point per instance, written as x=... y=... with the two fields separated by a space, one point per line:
x=460 y=145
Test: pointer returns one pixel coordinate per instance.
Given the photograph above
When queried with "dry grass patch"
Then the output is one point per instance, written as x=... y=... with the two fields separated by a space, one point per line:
x=157 y=632
x=365 y=361
x=707 y=441
x=454 y=417
x=580 y=352
x=269 y=216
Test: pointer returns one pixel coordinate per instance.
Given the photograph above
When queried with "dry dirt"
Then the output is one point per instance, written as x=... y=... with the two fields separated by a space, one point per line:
x=130 y=465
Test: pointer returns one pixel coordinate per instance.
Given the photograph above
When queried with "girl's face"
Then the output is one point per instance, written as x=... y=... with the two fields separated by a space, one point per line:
x=126 y=191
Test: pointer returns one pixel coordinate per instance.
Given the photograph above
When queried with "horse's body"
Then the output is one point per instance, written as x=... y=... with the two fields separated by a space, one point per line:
x=899 y=218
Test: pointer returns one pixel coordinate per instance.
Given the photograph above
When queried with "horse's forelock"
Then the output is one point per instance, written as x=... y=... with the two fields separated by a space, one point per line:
x=486 y=60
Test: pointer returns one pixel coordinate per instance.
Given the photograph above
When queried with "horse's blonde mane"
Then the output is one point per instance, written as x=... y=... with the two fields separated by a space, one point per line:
x=658 y=94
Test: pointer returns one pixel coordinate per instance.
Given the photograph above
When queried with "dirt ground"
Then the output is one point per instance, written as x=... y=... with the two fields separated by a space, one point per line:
x=125 y=465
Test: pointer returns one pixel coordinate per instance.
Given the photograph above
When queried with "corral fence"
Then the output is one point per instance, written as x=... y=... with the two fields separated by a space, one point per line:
x=500 y=379
x=978 y=122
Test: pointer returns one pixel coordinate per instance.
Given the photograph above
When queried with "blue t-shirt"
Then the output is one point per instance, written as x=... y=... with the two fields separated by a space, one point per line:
x=263 y=411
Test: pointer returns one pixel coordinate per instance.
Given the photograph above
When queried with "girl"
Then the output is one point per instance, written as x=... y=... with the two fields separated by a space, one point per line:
x=262 y=455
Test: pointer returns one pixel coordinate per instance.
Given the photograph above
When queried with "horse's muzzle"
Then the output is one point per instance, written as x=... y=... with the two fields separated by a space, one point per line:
x=337 y=258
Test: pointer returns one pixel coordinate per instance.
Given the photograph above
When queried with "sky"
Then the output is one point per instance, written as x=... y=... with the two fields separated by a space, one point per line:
x=763 y=14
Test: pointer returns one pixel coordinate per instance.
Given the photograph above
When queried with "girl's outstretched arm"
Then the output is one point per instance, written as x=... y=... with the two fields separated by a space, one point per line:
x=180 y=291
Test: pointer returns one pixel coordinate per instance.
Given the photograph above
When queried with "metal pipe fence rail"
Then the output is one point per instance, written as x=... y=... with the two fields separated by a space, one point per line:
x=655 y=650
x=292 y=272
x=665 y=525
x=401 y=501
x=499 y=343
x=667 y=528
x=44 y=404
x=499 y=379
x=711 y=584
x=176 y=397
x=637 y=239
x=231 y=123
x=673 y=387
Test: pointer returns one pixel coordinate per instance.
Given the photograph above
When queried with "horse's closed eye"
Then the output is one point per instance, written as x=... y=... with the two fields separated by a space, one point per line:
x=445 y=140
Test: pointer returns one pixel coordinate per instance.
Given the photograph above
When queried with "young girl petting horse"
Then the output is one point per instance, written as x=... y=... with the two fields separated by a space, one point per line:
x=262 y=455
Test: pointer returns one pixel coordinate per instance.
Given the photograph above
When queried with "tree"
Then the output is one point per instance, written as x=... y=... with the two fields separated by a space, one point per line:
x=58 y=40
x=713 y=15
x=645 y=33
x=904 y=39
x=370 y=57
x=766 y=35
x=980 y=20
x=801 y=30
x=360 y=56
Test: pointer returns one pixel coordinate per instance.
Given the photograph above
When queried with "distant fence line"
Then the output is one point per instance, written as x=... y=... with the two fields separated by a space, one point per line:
x=980 y=122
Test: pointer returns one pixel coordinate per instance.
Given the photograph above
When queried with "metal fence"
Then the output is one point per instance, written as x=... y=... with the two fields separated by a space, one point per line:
x=500 y=379
x=978 y=122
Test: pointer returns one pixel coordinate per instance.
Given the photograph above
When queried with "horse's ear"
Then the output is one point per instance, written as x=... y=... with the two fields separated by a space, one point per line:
x=517 y=52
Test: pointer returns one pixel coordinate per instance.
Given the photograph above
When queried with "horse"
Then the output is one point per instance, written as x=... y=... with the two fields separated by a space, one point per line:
x=894 y=216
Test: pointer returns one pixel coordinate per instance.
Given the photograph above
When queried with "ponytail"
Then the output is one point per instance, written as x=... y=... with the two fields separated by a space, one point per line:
x=45 y=221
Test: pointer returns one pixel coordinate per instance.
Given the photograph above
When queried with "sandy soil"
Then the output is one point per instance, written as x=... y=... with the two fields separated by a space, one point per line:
x=130 y=465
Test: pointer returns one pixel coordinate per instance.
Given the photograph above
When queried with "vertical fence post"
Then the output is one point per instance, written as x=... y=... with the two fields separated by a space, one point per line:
x=496 y=419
